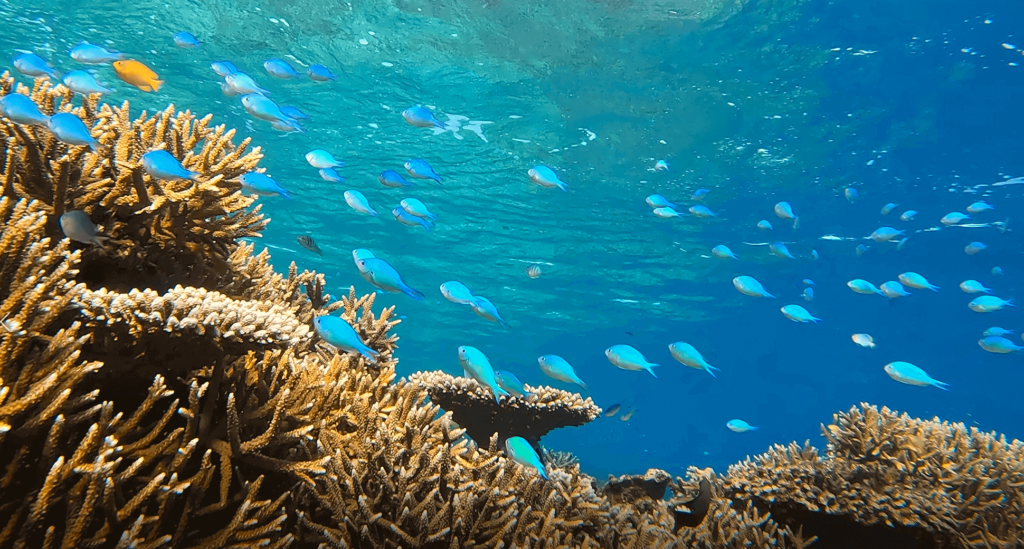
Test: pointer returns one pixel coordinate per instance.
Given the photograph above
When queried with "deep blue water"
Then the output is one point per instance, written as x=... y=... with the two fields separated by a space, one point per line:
x=757 y=101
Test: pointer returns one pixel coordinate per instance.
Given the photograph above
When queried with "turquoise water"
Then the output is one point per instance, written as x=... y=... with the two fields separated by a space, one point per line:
x=759 y=102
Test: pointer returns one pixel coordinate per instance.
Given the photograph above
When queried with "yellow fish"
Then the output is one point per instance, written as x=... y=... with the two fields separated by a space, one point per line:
x=138 y=75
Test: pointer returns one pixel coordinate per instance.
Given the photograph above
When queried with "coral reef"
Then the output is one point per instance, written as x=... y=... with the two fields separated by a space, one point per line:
x=165 y=389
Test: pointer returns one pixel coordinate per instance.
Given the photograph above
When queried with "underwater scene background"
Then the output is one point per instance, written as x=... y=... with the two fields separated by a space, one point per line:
x=915 y=103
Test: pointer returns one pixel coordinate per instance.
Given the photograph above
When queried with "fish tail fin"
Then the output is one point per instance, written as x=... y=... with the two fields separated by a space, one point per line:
x=285 y=194
x=564 y=187
x=428 y=225
x=499 y=392
x=413 y=293
x=941 y=385
x=1010 y=303
x=156 y=84
x=504 y=324
x=583 y=384
x=650 y=368
x=766 y=294
x=543 y=472
x=711 y=370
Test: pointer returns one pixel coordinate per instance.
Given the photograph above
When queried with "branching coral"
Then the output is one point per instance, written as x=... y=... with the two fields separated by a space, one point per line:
x=957 y=485
x=475 y=409
x=161 y=233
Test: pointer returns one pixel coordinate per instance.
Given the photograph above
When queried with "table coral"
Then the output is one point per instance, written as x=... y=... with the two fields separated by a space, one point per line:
x=531 y=418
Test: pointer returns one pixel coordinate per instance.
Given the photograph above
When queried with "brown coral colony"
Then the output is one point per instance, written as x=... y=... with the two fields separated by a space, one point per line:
x=165 y=388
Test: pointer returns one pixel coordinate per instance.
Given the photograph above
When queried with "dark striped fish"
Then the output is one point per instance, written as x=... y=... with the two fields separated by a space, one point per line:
x=612 y=410
x=308 y=243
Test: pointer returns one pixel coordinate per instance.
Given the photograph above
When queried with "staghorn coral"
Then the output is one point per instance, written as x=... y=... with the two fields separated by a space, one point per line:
x=177 y=452
x=955 y=485
x=161 y=233
x=475 y=409
x=559 y=459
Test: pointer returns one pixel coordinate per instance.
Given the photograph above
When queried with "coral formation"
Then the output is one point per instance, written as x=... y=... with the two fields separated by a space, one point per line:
x=165 y=389
x=633 y=488
x=475 y=409
x=957 y=486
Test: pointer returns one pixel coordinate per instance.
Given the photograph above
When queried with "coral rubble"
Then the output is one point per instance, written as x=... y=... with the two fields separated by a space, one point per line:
x=165 y=389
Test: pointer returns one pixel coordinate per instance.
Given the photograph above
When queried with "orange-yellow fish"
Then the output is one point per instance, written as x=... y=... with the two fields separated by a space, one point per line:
x=138 y=75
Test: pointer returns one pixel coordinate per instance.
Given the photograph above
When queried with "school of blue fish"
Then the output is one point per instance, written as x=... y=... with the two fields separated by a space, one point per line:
x=256 y=100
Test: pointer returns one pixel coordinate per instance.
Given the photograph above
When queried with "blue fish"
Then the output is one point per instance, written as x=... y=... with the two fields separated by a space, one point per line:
x=263 y=108
x=905 y=372
x=91 y=54
x=520 y=451
x=628 y=358
x=242 y=83
x=223 y=68
x=329 y=174
x=342 y=335
x=421 y=170
x=477 y=367
x=658 y=201
x=546 y=177
x=162 y=165
x=358 y=202
x=22 y=110
x=488 y=311
x=699 y=195
x=739 y=426
x=84 y=83
x=558 y=368
x=405 y=218
x=421 y=118
x=319 y=158
x=320 y=73
x=280 y=69
x=457 y=292
x=261 y=184
x=381 y=274
x=511 y=383
x=391 y=178
x=32 y=65
x=294 y=113
x=186 y=40
x=70 y=129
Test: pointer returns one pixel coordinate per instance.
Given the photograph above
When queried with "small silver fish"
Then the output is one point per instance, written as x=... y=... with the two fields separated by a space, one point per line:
x=308 y=243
